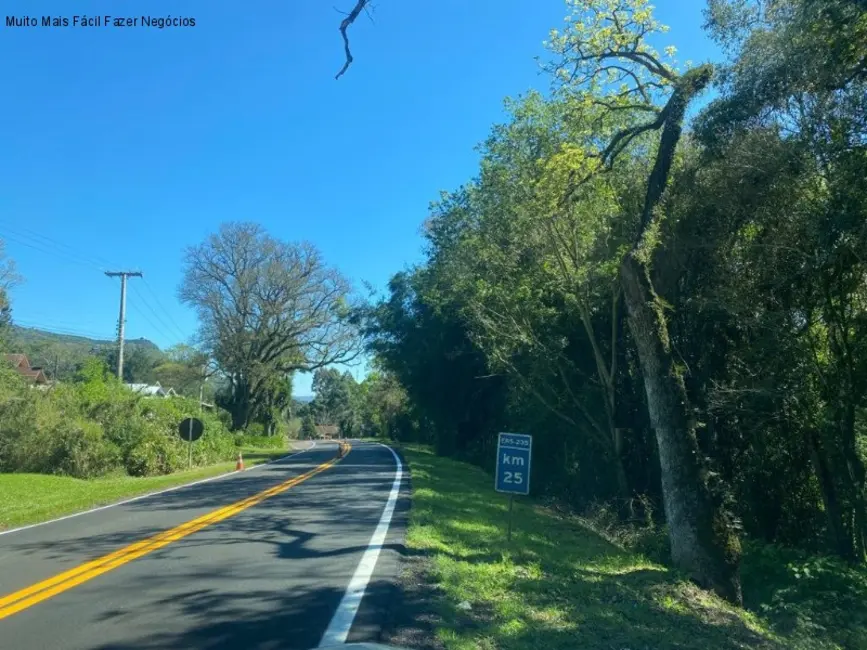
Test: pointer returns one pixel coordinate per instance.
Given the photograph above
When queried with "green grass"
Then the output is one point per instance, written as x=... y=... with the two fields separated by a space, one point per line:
x=31 y=498
x=559 y=584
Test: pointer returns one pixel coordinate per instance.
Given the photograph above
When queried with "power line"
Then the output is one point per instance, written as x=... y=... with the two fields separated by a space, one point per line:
x=155 y=315
x=47 y=245
x=35 y=239
x=63 y=329
x=165 y=311
x=48 y=251
x=59 y=245
x=156 y=328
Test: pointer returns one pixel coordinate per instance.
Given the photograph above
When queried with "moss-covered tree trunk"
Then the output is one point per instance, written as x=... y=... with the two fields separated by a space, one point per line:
x=702 y=542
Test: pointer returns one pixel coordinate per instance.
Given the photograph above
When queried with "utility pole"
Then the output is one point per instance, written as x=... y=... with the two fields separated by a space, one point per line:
x=123 y=275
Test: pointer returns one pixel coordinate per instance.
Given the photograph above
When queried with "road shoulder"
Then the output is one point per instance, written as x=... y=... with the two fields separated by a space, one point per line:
x=557 y=584
x=34 y=499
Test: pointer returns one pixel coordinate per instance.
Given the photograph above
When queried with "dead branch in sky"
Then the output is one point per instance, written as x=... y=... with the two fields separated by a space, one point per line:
x=360 y=5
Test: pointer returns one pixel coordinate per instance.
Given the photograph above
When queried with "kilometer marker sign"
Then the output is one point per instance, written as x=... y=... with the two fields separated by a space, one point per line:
x=514 y=451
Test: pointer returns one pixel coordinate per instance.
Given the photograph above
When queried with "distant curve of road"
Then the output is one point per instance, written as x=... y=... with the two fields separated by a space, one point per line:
x=293 y=554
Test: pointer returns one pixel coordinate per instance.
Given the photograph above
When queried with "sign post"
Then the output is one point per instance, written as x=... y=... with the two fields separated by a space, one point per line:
x=190 y=430
x=514 y=453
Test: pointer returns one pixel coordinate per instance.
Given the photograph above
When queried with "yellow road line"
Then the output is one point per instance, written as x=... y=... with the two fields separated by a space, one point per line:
x=29 y=596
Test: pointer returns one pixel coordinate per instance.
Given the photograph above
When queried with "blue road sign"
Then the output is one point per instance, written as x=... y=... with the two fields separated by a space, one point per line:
x=513 y=463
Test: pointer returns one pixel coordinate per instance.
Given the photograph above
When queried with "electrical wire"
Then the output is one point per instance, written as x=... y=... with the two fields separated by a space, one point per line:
x=63 y=329
x=42 y=248
x=153 y=312
x=32 y=235
x=159 y=330
x=49 y=246
x=165 y=311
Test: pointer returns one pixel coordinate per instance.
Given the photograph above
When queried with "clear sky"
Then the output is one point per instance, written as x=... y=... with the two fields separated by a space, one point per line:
x=121 y=147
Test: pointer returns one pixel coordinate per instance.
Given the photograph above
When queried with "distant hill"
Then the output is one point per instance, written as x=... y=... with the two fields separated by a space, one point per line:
x=60 y=354
x=304 y=399
x=30 y=336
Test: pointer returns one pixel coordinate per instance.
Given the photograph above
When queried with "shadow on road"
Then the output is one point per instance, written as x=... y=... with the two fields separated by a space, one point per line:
x=240 y=620
x=270 y=576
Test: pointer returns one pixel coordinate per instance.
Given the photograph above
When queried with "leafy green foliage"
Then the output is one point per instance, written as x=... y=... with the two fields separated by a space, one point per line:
x=260 y=441
x=96 y=426
x=308 y=428
x=266 y=309
x=747 y=234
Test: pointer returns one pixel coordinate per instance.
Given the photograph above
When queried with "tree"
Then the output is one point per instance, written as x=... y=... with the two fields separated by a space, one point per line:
x=333 y=402
x=424 y=348
x=605 y=61
x=360 y=5
x=737 y=250
x=186 y=370
x=139 y=362
x=265 y=307
x=308 y=428
x=539 y=278
x=276 y=402
x=798 y=72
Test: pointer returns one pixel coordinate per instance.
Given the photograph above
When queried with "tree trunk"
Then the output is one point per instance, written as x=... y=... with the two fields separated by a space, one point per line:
x=240 y=406
x=701 y=540
x=830 y=499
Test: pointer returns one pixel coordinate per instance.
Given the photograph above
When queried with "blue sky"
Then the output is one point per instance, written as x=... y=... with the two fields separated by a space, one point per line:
x=121 y=147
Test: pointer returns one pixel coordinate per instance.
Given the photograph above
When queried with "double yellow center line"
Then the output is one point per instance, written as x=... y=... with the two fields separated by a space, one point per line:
x=29 y=596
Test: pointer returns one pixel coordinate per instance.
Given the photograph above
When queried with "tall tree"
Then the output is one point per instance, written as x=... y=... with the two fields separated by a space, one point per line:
x=265 y=306
x=606 y=61
x=798 y=71
x=539 y=278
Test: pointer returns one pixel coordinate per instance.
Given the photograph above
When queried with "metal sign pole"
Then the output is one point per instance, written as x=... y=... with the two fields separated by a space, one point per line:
x=511 y=501
x=190 y=447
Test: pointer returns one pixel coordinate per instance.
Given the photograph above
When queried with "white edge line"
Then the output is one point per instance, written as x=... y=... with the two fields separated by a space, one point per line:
x=338 y=629
x=153 y=494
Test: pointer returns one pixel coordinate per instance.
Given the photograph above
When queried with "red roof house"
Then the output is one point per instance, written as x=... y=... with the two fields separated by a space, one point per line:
x=22 y=365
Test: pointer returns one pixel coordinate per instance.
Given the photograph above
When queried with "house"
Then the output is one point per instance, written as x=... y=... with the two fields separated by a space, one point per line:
x=151 y=390
x=21 y=364
x=327 y=431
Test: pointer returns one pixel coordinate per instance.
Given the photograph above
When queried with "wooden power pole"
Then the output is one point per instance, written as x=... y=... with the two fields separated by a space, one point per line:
x=123 y=275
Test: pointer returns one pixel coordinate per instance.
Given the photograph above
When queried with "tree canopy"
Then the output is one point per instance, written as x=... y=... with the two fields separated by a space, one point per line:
x=675 y=309
x=266 y=307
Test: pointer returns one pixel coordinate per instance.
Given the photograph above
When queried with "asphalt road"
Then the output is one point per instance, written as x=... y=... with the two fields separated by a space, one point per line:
x=270 y=575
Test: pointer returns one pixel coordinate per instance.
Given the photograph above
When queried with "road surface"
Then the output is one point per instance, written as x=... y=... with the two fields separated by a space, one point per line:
x=258 y=559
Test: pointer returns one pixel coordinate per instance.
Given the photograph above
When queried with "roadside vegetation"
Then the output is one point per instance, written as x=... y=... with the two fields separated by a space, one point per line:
x=32 y=498
x=668 y=290
x=569 y=582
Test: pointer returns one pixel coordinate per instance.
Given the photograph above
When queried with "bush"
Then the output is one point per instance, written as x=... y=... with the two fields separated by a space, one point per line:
x=262 y=442
x=81 y=450
x=255 y=429
x=154 y=453
x=96 y=426
x=40 y=434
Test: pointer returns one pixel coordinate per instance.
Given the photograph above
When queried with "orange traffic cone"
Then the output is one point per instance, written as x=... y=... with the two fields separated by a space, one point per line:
x=240 y=464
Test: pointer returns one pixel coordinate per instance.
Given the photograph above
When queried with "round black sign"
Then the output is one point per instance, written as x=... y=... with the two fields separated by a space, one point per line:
x=191 y=429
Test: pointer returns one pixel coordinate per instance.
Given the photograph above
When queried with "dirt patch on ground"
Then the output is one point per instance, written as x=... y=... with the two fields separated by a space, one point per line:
x=414 y=617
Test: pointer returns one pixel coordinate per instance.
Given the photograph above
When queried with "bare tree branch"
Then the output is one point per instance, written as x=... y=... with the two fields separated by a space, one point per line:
x=360 y=5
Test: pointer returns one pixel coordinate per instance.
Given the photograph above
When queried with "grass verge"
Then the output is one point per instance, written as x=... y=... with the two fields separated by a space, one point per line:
x=559 y=584
x=31 y=498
